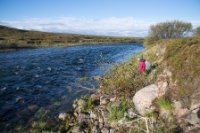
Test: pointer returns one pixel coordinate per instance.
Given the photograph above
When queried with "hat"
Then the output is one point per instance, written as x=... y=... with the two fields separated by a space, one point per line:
x=141 y=57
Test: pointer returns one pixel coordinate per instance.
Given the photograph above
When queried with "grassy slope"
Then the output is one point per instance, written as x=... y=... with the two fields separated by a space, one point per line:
x=180 y=56
x=182 y=59
x=15 y=38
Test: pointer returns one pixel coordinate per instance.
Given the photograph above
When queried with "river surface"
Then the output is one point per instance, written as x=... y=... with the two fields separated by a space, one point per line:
x=34 y=82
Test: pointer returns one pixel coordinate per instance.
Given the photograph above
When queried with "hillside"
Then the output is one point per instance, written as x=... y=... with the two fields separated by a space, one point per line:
x=16 y=38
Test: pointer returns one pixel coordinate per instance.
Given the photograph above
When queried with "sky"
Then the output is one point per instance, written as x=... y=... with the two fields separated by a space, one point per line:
x=98 y=17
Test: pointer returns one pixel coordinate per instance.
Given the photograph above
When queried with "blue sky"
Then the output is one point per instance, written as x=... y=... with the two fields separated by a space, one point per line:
x=101 y=17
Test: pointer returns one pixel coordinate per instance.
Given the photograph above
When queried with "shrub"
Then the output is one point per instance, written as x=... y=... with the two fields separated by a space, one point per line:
x=171 y=29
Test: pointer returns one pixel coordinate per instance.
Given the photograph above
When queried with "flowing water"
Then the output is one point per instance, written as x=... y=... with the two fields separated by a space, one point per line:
x=47 y=80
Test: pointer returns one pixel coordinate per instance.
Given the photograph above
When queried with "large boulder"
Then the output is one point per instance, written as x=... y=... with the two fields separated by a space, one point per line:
x=143 y=98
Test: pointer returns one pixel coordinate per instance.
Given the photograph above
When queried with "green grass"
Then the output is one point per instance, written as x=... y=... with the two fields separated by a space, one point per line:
x=164 y=103
x=116 y=111
x=87 y=104
x=182 y=59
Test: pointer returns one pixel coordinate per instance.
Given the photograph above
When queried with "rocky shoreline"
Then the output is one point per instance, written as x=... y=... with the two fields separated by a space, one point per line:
x=103 y=113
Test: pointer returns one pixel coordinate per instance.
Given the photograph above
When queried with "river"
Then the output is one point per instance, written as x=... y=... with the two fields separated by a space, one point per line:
x=47 y=80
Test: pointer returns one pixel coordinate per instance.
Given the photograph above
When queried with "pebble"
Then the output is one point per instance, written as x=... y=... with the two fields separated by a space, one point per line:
x=19 y=100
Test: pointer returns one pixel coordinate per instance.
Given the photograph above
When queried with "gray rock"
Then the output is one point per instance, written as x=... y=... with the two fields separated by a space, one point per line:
x=101 y=125
x=105 y=130
x=165 y=114
x=93 y=115
x=179 y=111
x=81 y=102
x=19 y=100
x=121 y=121
x=193 y=118
x=82 y=117
x=104 y=115
x=76 y=129
x=143 y=98
x=97 y=78
x=112 y=130
x=130 y=113
x=96 y=123
x=62 y=116
x=94 y=97
x=101 y=120
x=104 y=100
x=95 y=129
x=195 y=107
x=162 y=88
x=75 y=105
x=113 y=99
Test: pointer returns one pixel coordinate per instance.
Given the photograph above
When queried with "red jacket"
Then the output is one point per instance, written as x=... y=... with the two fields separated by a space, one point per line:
x=141 y=66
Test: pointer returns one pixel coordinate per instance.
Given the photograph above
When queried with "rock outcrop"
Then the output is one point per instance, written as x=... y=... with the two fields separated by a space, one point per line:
x=143 y=98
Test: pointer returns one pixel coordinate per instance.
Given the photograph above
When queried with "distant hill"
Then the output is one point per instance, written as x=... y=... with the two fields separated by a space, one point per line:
x=17 y=38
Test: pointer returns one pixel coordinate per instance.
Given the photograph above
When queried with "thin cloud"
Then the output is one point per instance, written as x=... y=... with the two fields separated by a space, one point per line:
x=115 y=26
x=126 y=26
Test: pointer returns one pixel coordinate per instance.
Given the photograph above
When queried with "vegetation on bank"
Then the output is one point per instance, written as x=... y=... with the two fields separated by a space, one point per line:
x=180 y=57
x=16 y=38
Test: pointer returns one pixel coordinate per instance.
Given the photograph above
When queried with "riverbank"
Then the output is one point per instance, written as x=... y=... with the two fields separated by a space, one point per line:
x=11 y=38
x=166 y=99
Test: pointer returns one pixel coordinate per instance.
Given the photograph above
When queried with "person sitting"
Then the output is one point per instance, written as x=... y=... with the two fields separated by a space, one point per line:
x=141 y=65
